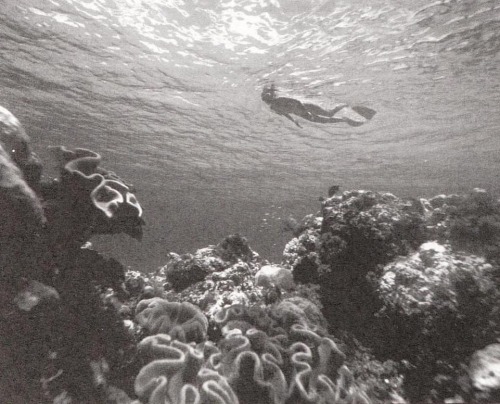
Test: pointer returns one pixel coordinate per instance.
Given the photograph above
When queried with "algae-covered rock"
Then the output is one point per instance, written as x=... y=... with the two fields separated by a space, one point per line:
x=274 y=275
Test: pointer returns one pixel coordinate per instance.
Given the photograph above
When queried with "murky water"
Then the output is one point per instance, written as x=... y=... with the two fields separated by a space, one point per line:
x=169 y=92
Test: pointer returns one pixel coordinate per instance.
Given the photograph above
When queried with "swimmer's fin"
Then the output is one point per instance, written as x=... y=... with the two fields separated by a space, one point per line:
x=365 y=112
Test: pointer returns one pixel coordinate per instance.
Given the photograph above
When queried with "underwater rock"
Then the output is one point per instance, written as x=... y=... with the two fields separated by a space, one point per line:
x=274 y=275
x=15 y=142
x=183 y=321
x=484 y=369
x=33 y=294
x=21 y=220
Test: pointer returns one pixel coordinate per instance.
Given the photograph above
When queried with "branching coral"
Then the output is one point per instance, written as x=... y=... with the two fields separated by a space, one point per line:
x=183 y=321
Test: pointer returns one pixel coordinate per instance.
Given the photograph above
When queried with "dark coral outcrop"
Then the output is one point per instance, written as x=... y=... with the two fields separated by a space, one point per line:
x=60 y=339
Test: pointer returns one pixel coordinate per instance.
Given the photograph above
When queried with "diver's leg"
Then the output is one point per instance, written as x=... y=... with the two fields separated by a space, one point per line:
x=317 y=110
x=324 y=119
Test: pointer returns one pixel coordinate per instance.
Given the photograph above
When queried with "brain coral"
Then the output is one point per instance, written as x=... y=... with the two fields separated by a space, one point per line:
x=183 y=321
x=176 y=375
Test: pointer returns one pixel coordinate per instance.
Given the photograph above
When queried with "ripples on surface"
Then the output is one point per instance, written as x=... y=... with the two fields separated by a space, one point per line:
x=169 y=92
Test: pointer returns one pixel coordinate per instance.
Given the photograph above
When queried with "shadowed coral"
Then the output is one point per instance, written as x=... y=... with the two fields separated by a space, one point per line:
x=183 y=321
x=215 y=277
x=21 y=219
x=360 y=230
x=186 y=270
x=109 y=204
x=58 y=338
x=175 y=375
x=468 y=222
x=439 y=307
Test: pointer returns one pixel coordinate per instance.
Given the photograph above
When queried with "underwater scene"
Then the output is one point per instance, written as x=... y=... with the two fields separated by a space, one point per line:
x=238 y=201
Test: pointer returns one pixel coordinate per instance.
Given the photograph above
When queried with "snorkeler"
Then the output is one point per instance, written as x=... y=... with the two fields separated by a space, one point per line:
x=314 y=113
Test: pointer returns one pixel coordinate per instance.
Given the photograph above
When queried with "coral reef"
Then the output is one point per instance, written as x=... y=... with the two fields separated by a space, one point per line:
x=384 y=279
x=377 y=299
x=443 y=302
x=215 y=277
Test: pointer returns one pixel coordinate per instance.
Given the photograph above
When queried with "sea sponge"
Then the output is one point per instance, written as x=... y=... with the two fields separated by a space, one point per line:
x=175 y=375
x=183 y=321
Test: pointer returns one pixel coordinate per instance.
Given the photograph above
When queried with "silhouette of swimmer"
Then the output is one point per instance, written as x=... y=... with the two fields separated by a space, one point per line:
x=312 y=112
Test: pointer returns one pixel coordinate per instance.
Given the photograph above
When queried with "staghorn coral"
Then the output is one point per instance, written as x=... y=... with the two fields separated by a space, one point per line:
x=183 y=321
x=175 y=374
